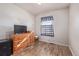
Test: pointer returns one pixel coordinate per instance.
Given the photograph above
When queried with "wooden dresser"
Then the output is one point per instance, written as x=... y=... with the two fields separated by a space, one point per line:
x=21 y=41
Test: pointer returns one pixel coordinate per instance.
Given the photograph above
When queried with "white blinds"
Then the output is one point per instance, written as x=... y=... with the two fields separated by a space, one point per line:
x=47 y=26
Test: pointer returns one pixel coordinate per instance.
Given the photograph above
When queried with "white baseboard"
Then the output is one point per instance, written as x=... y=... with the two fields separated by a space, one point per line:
x=59 y=43
x=73 y=54
x=55 y=42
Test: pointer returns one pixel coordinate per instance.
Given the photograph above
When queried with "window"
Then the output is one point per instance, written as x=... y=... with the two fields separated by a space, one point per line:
x=47 y=26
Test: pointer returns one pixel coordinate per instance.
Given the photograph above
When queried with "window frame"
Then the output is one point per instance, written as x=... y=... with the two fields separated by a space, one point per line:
x=47 y=18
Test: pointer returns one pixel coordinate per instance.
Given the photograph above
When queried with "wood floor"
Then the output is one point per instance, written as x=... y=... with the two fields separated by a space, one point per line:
x=46 y=49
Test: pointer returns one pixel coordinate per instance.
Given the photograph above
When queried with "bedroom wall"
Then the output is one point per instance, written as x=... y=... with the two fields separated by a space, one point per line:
x=60 y=26
x=74 y=29
x=11 y=14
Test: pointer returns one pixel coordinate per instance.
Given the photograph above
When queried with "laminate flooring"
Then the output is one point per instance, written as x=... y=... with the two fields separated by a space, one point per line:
x=46 y=49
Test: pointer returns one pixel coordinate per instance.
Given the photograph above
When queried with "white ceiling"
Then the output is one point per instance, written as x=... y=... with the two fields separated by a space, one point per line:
x=35 y=8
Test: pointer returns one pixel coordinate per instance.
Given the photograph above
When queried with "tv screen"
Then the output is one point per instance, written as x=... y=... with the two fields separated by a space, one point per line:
x=19 y=29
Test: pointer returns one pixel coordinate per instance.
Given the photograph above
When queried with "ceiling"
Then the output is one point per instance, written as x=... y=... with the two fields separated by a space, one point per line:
x=35 y=8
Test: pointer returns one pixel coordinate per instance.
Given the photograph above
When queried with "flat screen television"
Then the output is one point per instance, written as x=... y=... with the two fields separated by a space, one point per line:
x=20 y=29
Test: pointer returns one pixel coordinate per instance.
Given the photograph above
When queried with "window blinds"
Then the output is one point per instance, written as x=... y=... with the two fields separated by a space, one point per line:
x=47 y=26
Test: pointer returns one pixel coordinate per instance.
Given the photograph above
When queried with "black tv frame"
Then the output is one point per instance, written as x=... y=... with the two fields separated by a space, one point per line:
x=20 y=29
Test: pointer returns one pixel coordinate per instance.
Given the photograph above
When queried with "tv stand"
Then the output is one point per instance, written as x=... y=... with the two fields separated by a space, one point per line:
x=22 y=41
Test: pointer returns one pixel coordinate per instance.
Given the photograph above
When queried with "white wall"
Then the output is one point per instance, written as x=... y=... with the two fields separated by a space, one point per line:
x=60 y=26
x=74 y=29
x=12 y=14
